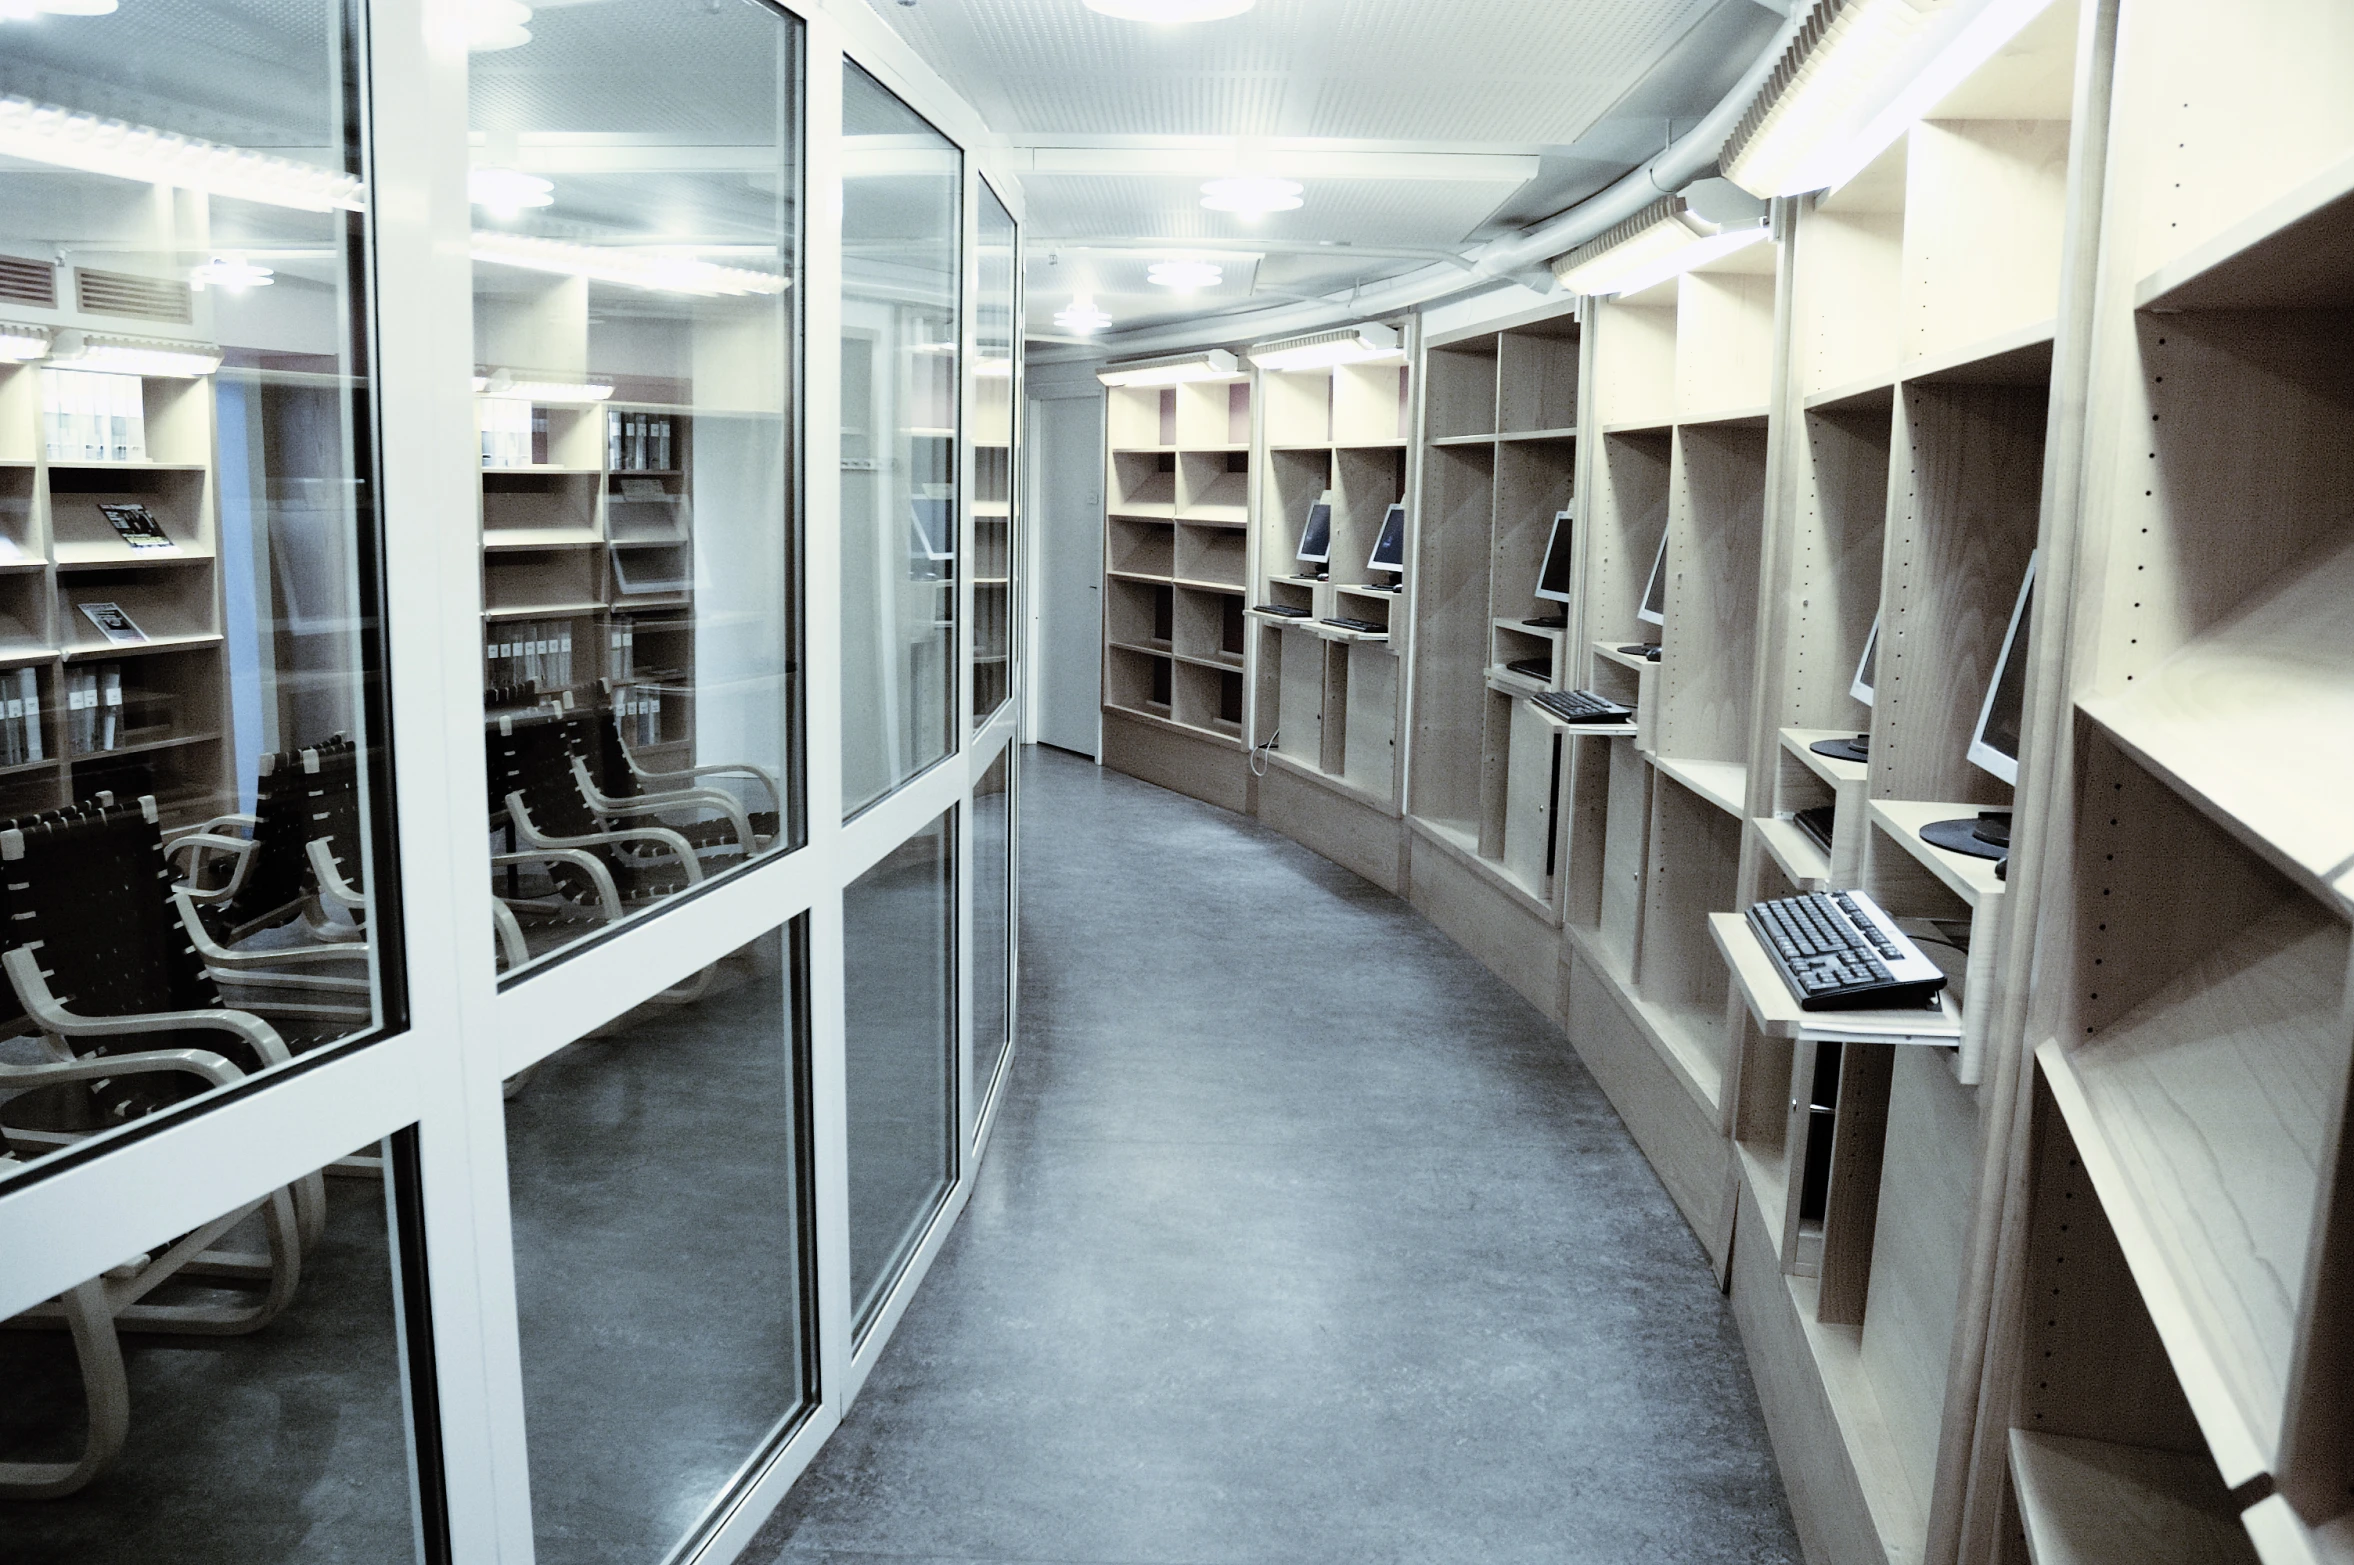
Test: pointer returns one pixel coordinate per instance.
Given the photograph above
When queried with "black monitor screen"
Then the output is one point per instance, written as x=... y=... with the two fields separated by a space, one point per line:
x=1316 y=536
x=1553 y=575
x=1999 y=731
x=1389 y=550
x=1654 y=609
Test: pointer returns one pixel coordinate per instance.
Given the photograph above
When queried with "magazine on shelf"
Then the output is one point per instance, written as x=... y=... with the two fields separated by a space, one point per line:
x=138 y=527
x=112 y=622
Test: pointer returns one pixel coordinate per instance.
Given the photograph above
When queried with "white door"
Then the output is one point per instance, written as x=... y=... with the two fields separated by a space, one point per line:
x=1065 y=457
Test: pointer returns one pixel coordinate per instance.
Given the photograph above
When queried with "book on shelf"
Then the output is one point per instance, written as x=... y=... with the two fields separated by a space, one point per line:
x=93 y=708
x=93 y=416
x=640 y=710
x=621 y=648
x=638 y=442
x=112 y=622
x=137 y=526
x=20 y=718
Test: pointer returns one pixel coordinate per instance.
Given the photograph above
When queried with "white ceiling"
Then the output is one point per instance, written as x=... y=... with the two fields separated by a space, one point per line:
x=1418 y=127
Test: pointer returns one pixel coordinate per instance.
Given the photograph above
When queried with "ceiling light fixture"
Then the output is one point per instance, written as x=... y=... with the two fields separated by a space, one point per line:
x=1665 y=239
x=26 y=10
x=1323 y=349
x=649 y=269
x=23 y=344
x=533 y=386
x=1251 y=195
x=1185 y=276
x=136 y=356
x=492 y=25
x=1859 y=74
x=506 y=192
x=1171 y=369
x=1081 y=315
x=233 y=272
x=67 y=138
x=1170 y=13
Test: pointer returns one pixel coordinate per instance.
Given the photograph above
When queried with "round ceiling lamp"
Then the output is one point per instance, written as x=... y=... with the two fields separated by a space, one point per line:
x=1251 y=195
x=233 y=272
x=1081 y=315
x=1170 y=13
x=1185 y=276
x=505 y=192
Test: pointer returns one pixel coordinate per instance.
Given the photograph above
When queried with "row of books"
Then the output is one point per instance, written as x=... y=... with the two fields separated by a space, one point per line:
x=92 y=416
x=536 y=650
x=621 y=649
x=639 y=442
x=514 y=433
x=639 y=708
x=93 y=708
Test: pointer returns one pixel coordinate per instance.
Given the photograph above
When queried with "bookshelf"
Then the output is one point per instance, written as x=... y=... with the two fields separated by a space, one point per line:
x=1177 y=529
x=1326 y=701
x=148 y=713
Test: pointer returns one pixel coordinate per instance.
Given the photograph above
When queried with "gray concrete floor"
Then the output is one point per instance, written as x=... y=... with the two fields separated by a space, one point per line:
x=1302 y=1238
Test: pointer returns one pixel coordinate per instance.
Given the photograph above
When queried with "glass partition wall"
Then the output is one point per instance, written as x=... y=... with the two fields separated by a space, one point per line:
x=902 y=187
x=636 y=184
x=315 y=405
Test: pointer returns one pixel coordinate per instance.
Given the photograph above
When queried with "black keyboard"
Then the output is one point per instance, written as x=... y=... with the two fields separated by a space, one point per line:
x=1816 y=823
x=1371 y=627
x=1839 y=952
x=1284 y=609
x=1582 y=706
x=1533 y=668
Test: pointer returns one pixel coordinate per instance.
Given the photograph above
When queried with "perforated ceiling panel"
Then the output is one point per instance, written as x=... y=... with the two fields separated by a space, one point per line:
x=1414 y=213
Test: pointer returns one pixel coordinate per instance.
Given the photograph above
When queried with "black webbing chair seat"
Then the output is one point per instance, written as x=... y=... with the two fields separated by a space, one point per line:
x=597 y=863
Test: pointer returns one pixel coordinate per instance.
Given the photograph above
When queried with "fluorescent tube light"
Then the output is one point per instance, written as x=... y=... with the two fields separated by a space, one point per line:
x=1170 y=13
x=1171 y=369
x=1081 y=315
x=23 y=344
x=1185 y=276
x=1665 y=239
x=67 y=138
x=137 y=356
x=1859 y=74
x=1322 y=349
x=649 y=269
x=1252 y=195
x=530 y=386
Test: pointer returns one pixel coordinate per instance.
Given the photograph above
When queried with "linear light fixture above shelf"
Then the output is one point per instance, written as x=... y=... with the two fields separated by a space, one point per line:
x=1171 y=369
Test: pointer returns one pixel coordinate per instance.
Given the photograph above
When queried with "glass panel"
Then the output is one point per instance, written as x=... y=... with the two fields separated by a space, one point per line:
x=232 y=1396
x=899 y=1047
x=658 y=1173
x=996 y=309
x=188 y=565
x=993 y=907
x=900 y=185
x=636 y=183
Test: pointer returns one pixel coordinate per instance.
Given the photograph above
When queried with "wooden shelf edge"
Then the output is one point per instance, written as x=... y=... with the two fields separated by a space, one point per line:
x=1829 y=768
x=1952 y=363
x=1971 y=879
x=2282 y=1538
x=1778 y=1014
x=2240 y=1455
x=1466 y=852
x=2174 y=285
x=1895 y=1507
x=1855 y=393
x=1336 y=782
x=1724 y=784
x=1807 y=865
x=2087 y=1502
x=1663 y=1028
x=1231 y=741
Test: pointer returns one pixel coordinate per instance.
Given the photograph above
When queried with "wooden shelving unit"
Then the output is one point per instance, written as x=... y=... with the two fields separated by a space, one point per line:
x=1326 y=701
x=1177 y=487
x=61 y=552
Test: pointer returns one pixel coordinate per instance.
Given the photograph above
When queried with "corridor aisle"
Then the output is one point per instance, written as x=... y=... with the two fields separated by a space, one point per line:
x=1302 y=1240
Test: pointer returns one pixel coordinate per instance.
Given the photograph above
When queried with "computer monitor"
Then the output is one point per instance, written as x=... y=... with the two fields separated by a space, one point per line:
x=1316 y=534
x=1553 y=582
x=1654 y=609
x=1994 y=744
x=932 y=534
x=1389 y=548
x=1865 y=668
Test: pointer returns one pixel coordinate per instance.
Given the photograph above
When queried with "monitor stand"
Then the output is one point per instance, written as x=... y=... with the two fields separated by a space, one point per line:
x=1548 y=621
x=1987 y=837
x=1858 y=749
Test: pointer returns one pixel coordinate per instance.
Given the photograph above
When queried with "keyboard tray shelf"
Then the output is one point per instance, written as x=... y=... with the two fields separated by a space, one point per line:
x=1778 y=1014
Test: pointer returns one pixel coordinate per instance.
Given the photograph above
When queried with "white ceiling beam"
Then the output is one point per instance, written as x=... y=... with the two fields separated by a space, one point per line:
x=1210 y=162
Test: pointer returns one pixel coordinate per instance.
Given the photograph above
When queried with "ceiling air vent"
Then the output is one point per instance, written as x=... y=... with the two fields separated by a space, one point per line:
x=28 y=282
x=126 y=293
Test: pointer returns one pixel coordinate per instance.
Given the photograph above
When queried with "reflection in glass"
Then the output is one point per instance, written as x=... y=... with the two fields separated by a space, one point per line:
x=993 y=908
x=900 y=185
x=996 y=309
x=899 y=1048
x=636 y=189
x=187 y=546
x=661 y=1241
x=231 y=1400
